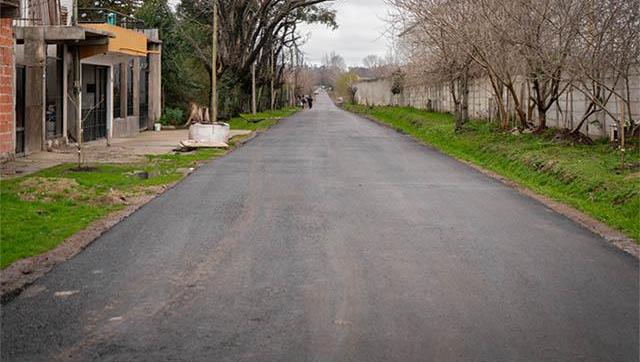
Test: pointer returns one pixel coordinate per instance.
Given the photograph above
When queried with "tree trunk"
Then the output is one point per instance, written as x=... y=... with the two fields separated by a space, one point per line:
x=504 y=116
x=542 y=118
x=457 y=108
x=502 y=111
x=464 y=102
x=517 y=104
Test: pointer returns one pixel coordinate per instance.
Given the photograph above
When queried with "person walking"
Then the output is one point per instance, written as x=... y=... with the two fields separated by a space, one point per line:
x=303 y=102
x=310 y=101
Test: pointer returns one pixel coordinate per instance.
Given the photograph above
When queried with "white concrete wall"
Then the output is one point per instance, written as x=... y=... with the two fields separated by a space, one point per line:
x=566 y=113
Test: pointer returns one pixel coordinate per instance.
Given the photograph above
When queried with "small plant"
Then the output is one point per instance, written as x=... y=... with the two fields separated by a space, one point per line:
x=172 y=117
x=397 y=82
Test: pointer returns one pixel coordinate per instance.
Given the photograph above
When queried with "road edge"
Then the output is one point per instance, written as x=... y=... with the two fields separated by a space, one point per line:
x=22 y=273
x=614 y=237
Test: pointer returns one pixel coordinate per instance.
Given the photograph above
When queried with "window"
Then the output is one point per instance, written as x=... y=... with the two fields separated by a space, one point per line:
x=130 y=88
x=116 y=91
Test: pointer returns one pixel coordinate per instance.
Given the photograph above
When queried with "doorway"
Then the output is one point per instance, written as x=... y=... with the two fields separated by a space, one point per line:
x=94 y=102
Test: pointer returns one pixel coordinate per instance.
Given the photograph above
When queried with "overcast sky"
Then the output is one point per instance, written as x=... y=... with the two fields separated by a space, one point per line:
x=360 y=32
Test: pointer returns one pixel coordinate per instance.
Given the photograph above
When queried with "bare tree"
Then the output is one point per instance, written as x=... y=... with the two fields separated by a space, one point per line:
x=436 y=52
x=606 y=56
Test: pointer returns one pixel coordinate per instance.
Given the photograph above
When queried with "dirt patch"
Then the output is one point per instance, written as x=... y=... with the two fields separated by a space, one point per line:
x=633 y=167
x=633 y=175
x=566 y=136
x=48 y=188
x=114 y=197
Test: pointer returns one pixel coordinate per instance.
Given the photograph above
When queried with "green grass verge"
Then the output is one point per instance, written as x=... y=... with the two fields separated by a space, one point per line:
x=39 y=211
x=586 y=177
x=260 y=121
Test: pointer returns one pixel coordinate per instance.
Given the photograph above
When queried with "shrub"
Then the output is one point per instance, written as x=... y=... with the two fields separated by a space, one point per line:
x=172 y=116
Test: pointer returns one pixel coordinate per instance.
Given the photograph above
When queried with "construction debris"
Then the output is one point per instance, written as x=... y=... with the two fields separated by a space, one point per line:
x=190 y=145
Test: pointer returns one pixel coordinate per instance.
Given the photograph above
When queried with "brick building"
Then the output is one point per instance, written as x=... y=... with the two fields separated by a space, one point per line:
x=8 y=10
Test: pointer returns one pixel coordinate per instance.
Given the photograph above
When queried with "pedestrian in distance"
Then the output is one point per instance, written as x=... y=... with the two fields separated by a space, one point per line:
x=304 y=102
x=310 y=101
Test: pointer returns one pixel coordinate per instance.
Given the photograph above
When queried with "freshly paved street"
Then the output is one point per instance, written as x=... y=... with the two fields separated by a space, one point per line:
x=331 y=238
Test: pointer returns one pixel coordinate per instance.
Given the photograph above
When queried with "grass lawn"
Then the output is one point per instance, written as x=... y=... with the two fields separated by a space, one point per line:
x=586 y=177
x=260 y=121
x=39 y=211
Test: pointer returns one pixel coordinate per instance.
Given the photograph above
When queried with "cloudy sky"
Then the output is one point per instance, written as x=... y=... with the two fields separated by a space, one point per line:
x=360 y=32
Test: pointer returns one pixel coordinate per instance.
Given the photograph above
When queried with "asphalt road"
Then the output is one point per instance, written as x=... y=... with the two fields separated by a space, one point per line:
x=331 y=238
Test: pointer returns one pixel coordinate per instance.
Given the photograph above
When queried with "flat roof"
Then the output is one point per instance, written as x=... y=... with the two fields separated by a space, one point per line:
x=61 y=34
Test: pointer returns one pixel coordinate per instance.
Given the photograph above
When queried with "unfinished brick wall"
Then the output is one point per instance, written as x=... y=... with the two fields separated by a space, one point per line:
x=7 y=93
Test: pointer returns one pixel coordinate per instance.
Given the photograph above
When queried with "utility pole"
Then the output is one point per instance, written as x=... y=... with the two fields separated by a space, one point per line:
x=293 y=70
x=214 y=66
x=253 y=88
x=77 y=86
x=273 y=75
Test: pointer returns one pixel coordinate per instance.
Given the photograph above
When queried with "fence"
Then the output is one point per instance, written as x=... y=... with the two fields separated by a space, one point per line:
x=565 y=113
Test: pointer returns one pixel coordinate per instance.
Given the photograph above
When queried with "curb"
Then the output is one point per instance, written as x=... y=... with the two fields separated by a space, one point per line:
x=609 y=234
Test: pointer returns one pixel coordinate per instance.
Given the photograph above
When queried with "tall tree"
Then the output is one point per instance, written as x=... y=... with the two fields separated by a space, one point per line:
x=249 y=31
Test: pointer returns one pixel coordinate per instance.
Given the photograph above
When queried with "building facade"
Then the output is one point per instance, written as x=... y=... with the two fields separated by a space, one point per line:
x=8 y=11
x=119 y=61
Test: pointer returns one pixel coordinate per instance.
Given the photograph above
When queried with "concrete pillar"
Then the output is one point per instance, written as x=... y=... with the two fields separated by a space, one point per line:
x=110 y=104
x=155 y=85
x=124 y=70
x=136 y=87
x=71 y=124
x=34 y=58
x=65 y=90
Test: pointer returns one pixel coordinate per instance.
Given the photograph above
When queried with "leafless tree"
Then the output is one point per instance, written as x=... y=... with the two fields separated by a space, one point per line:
x=435 y=50
x=605 y=58
x=530 y=51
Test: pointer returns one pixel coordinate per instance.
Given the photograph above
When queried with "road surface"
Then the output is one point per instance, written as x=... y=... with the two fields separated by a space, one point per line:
x=331 y=238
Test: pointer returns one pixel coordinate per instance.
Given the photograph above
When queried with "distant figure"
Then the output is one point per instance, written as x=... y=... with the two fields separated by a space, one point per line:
x=303 y=102
x=310 y=101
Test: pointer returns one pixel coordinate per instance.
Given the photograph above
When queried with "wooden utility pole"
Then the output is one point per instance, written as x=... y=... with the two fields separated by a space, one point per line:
x=214 y=66
x=273 y=75
x=253 y=89
x=295 y=74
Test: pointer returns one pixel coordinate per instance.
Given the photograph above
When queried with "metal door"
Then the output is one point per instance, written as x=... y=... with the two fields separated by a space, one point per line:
x=94 y=99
